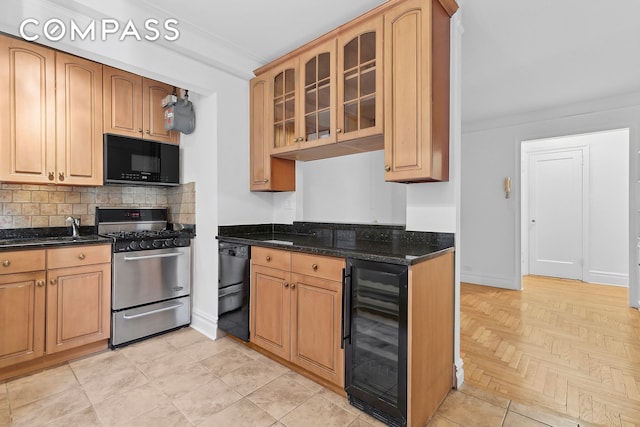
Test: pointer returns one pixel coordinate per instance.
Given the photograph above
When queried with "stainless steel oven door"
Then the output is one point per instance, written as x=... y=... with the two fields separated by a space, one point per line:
x=142 y=277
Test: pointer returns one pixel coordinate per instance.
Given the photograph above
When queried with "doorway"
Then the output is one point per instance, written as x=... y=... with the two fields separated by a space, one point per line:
x=575 y=207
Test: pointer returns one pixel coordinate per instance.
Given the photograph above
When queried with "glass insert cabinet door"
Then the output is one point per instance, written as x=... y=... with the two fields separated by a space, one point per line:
x=284 y=107
x=319 y=91
x=360 y=91
x=375 y=331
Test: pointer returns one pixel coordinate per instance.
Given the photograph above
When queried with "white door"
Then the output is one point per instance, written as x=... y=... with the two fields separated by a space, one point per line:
x=555 y=209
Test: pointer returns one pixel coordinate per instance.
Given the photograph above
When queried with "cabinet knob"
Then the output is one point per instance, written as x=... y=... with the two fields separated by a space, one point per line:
x=6 y=263
x=339 y=130
x=40 y=283
x=286 y=285
x=61 y=176
x=387 y=168
x=53 y=281
x=293 y=286
x=268 y=258
x=52 y=176
x=147 y=132
x=314 y=267
x=140 y=130
x=81 y=256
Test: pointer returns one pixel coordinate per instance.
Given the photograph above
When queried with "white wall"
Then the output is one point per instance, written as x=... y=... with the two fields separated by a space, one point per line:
x=351 y=189
x=490 y=223
x=606 y=258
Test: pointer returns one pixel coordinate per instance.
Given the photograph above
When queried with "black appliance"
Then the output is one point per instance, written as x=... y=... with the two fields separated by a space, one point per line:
x=375 y=339
x=136 y=161
x=151 y=280
x=233 y=289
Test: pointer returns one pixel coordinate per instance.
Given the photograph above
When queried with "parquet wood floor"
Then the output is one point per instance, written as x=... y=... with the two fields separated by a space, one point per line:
x=564 y=345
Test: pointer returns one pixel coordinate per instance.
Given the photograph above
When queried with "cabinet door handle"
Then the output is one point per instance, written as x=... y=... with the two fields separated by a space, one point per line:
x=264 y=181
x=147 y=132
x=61 y=176
x=40 y=283
x=81 y=256
x=6 y=263
x=52 y=176
x=268 y=258
x=346 y=307
x=338 y=130
x=387 y=168
x=140 y=130
x=53 y=281
x=293 y=286
x=286 y=285
x=314 y=267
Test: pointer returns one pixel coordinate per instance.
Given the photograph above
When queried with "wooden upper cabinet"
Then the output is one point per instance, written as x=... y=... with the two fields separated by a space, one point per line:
x=378 y=82
x=285 y=99
x=79 y=121
x=132 y=106
x=317 y=89
x=52 y=129
x=267 y=173
x=152 y=112
x=360 y=79
x=417 y=91
x=122 y=103
x=27 y=125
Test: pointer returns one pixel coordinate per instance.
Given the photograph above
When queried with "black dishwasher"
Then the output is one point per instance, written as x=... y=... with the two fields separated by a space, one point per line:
x=233 y=289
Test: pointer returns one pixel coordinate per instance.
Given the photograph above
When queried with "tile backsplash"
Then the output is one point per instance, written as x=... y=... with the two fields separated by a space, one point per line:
x=23 y=205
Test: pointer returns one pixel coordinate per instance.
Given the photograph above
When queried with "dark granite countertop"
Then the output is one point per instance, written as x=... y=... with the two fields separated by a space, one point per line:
x=380 y=243
x=47 y=237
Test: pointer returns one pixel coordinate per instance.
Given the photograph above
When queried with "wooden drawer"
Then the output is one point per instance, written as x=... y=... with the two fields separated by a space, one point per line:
x=74 y=256
x=269 y=257
x=325 y=267
x=22 y=261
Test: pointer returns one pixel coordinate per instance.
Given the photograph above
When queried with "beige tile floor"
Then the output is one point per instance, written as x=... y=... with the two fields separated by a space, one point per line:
x=185 y=379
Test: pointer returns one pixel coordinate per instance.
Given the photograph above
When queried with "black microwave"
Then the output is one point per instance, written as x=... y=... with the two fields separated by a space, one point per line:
x=135 y=161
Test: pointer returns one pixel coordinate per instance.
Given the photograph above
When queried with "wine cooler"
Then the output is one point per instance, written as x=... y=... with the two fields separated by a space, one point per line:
x=375 y=339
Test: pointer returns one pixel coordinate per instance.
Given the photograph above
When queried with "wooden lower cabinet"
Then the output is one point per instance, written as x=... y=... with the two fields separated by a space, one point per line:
x=297 y=317
x=50 y=316
x=78 y=306
x=22 y=300
x=270 y=302
x=316 y=314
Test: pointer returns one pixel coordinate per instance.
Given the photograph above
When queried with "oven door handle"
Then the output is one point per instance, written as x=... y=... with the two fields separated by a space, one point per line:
x=143 y=257
x=148 y=313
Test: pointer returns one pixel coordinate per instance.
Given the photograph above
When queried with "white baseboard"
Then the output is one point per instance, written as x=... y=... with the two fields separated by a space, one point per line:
x=607 y=278
x=459 y=373
x=204 y=323
x=490 y=280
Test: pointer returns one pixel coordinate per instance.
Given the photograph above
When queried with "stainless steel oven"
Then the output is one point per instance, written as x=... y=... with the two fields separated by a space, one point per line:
x=151 y=273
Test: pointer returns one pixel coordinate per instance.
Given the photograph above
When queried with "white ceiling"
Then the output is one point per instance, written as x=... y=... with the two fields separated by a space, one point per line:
x=522 y=56
x=518 y=56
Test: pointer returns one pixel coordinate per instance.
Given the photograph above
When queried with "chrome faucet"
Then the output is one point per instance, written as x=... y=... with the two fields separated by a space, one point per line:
x=75 y=225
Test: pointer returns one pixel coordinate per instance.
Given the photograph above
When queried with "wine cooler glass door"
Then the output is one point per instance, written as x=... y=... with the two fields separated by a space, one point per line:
x=376 y=351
